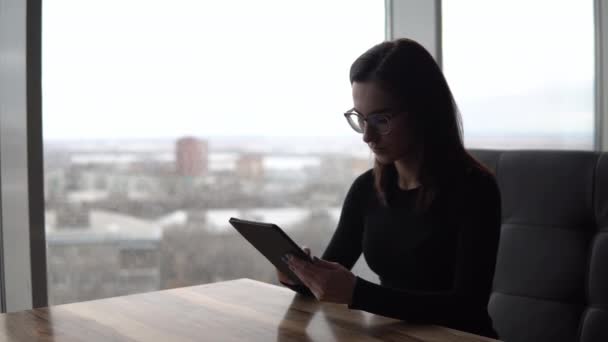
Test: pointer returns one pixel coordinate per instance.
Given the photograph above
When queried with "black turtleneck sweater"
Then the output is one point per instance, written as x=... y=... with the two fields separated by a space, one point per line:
x=435 y=266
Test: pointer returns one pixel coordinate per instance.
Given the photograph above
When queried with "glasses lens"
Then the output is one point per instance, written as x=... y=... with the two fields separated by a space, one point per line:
x=380 y=123
x=355 y=122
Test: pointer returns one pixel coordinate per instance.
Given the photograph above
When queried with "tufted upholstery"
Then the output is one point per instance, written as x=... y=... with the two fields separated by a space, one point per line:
x=551 y=281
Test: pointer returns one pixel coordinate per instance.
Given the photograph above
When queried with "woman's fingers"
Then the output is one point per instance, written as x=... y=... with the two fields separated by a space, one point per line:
x=327 y=280
x=311 y=275
x=283 y=278
x=305 y=277
x=326 y=264
x=307 y=251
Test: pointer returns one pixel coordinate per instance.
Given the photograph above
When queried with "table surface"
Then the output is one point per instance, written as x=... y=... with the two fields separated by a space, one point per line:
x=237 y=310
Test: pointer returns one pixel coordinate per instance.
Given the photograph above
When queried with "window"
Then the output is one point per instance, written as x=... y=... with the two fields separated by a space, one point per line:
x=162 y=120
x=522 y=72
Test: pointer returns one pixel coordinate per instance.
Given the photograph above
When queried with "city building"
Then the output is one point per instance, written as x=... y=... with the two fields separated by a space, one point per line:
x=250 y=166
x=191 y=157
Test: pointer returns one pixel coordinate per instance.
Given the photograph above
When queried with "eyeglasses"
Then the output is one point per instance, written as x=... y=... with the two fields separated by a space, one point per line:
x=380 y=122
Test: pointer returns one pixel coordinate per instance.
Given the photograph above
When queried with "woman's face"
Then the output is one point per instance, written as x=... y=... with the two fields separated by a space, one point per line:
x=370 y=99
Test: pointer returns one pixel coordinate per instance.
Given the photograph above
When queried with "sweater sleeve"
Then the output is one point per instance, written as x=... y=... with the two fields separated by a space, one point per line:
x=478 y=225
x=345 y=246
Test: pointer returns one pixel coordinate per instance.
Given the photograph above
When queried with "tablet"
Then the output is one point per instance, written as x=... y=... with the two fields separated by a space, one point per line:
x=272 y=242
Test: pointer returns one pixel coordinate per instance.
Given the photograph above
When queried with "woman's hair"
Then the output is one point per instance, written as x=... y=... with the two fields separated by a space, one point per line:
x=408 y=72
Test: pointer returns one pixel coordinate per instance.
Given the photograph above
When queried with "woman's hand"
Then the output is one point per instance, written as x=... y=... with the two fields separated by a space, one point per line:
x=328 y=281
x=283 y=278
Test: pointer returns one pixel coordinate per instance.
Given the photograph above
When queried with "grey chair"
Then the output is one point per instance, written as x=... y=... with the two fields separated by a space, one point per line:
x=551 y=280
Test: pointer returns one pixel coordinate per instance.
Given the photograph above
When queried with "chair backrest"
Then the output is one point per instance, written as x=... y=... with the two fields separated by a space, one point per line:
x=551 y=281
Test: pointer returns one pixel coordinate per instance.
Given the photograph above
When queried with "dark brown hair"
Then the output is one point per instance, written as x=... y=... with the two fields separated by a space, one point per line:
x=408 y=72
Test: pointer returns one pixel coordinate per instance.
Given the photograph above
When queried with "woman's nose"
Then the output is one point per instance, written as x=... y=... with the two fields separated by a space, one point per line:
x=369 y=135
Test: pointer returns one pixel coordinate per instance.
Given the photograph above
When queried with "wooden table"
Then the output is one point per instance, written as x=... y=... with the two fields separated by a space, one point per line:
x=238 y=310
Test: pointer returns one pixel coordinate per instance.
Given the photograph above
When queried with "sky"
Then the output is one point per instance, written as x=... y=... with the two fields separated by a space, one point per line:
x=120 y=69
x=531 y=63
x=141 y=69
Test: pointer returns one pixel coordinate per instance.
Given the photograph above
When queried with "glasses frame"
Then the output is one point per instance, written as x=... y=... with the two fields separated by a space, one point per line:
x=352 y=112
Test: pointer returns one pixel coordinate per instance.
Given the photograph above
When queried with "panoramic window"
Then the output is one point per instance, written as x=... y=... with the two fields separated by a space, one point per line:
x=522 y=72
x=164 y=119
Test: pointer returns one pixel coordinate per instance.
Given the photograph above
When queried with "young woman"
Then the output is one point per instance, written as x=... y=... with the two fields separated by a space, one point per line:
x=426 y=217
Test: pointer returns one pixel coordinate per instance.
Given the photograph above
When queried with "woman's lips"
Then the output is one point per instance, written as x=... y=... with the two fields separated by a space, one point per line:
x=377 y=150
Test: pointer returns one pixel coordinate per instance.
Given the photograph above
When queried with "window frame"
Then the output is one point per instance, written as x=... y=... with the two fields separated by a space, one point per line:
x=22 y=235
x=601 y=74
x=416 y=19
